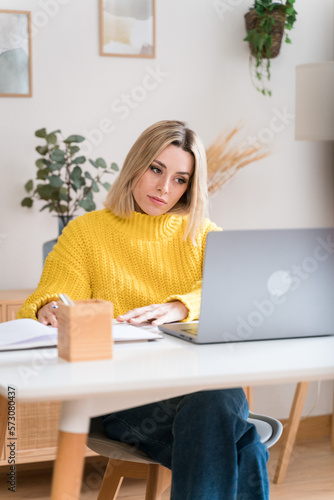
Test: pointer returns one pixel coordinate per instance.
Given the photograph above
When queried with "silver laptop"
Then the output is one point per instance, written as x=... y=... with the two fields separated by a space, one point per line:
x=264 y=284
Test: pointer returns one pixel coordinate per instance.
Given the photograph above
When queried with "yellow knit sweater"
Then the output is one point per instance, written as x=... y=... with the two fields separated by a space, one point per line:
x=132 y=262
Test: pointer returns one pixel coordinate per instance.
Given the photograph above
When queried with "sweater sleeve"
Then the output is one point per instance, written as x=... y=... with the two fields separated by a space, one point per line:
x=192 y=300
x=65 y=271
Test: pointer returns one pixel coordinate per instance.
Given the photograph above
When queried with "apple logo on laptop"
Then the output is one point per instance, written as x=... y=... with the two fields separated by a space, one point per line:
x=279 y=283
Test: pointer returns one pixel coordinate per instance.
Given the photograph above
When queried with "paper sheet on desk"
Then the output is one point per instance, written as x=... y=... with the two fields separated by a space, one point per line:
x=30 y=334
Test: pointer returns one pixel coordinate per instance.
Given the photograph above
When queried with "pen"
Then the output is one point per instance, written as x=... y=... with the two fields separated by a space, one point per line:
x=64 y=298
x=67 y=301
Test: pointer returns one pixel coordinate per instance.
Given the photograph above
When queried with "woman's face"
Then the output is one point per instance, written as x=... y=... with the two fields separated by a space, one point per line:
x=164 y=182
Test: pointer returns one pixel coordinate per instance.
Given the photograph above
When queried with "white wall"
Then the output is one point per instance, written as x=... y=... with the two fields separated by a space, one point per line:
x=203 y=79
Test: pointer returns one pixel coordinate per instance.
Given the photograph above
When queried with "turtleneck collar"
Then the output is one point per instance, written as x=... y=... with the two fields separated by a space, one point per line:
x=148 y=227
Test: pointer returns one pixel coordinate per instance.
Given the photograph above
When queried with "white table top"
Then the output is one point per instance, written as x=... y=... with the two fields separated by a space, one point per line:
x=165 y=367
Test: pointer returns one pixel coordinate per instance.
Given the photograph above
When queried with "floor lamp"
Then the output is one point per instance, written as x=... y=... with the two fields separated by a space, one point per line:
x=314 y=122
x=315 y=102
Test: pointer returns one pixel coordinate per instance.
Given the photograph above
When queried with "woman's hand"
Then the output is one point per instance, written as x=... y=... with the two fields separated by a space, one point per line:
x=46 y=314
x=158 y=314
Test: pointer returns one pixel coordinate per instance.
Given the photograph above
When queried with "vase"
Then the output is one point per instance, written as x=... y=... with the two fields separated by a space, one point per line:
x=48 y=245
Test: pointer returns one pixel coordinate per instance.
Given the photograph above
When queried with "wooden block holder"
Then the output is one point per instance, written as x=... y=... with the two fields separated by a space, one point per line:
x=85 y=330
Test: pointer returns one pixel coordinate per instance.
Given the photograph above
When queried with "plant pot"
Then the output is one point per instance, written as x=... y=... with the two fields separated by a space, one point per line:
x=48 y=245
x=253 y=20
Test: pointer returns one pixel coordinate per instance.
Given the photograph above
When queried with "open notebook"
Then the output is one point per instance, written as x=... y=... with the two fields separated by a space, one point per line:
x=30 y=334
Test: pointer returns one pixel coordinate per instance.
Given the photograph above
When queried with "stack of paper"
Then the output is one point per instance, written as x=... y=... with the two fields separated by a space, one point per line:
x=30 y=334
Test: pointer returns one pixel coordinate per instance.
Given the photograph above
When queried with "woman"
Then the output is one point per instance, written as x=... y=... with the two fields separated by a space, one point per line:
x=144 y=252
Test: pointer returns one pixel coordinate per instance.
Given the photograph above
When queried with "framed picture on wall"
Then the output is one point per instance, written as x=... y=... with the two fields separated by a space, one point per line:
x=15 y=54
x=127 y=28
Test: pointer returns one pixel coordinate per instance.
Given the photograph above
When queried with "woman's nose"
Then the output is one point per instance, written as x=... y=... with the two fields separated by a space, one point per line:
x=163 y=185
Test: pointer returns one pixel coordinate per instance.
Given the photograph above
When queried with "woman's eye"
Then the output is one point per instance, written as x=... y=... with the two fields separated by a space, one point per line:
x=180 y=180
x=156 y=170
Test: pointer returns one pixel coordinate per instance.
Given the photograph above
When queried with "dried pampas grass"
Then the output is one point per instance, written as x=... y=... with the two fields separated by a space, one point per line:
x=224 y=159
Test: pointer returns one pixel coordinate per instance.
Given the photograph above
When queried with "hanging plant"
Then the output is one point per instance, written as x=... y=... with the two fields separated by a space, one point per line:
x=266 y=23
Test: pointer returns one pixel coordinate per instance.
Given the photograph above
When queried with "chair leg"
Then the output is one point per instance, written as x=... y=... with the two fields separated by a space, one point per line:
x=112 y=481
x=159 y=479
x=291 y=432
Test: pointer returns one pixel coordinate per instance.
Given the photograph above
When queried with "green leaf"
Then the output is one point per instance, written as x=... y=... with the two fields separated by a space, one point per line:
x=48 y=205
x=41 y=133
x=87 y=204
x=94 y=164
x=101 y=163
x=79 y=160
x=29 y=186
x=80 y=182
x=106 y=185
x=58 y=156
x=45 y=191
x=287 y=40
x=43 y=174
x=62 y=209
x=95 y=187
x=88 y=176
x=75 y=186
x=88 y=193
x=40 y=163
x=55 y=181
x=74 y=138
x=73 y=150
x=76 y=173
x=27 y=202
x=114 y=166
x=55 y=166
x=42 y=150
x=63 y=194
x=51 y=138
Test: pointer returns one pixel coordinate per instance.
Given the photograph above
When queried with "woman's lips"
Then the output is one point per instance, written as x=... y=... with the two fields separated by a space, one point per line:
x=157 y=201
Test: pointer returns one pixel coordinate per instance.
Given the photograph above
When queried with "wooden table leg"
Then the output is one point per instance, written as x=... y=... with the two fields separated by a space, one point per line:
x=3 y=420
x=68 y=469
x=291 y=431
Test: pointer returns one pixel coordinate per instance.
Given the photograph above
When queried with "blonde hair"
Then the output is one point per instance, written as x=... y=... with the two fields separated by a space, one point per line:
x=147 y=147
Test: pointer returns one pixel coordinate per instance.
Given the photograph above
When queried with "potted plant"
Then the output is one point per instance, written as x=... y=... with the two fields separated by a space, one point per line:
x=60 y=181
x=266 y=23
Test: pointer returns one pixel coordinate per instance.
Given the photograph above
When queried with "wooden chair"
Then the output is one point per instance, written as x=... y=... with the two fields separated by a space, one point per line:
x=126 y=461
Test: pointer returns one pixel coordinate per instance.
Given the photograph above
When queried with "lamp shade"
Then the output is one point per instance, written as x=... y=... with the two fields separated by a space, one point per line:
x=315 y=102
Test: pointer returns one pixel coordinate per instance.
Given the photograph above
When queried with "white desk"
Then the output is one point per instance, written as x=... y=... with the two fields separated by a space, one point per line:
x=141 y=373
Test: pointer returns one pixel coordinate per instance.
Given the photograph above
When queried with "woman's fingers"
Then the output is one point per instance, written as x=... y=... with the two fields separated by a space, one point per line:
x=140 y=314
x=157 y=313
x=46 y=314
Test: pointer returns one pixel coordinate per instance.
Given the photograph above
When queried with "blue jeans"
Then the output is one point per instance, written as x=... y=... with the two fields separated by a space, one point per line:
x=204 y=438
